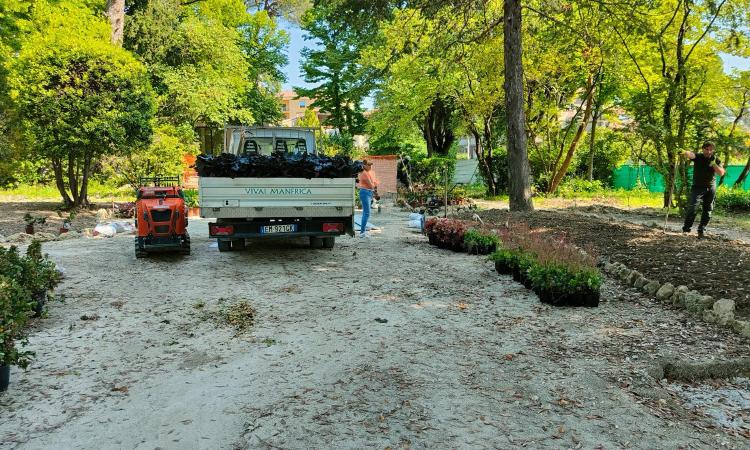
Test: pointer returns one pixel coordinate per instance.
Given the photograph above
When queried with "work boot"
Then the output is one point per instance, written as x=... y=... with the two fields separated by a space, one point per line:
x=701 y=234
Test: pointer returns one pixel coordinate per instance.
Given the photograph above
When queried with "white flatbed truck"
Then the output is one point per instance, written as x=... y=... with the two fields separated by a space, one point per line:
x=250 y=207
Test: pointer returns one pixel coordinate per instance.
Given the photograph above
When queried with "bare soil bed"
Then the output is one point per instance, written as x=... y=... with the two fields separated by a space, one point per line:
x=11 y=217
x=386 y=342
x=714 y=266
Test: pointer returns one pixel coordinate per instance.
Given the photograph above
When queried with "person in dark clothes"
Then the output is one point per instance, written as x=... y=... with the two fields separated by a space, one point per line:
x=705 y=168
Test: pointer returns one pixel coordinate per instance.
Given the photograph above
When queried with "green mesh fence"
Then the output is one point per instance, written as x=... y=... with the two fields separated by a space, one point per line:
x=629 y=177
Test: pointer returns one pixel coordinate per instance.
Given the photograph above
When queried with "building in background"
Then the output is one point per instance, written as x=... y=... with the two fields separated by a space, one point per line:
x=293 y=108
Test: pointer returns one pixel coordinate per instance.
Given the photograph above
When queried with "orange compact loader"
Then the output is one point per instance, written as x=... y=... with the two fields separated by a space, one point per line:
x=161 y=217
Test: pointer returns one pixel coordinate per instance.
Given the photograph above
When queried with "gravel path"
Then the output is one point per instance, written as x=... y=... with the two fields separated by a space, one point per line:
x=457 y=358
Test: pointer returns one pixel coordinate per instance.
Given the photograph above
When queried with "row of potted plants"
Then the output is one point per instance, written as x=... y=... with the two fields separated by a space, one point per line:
x=26 y=282
x=559 y=273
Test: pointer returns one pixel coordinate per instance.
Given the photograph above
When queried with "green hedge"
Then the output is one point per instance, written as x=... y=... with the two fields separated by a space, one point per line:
x=732 y=200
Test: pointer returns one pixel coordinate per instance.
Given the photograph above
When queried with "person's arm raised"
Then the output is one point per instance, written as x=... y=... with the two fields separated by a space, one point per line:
x=717 y=168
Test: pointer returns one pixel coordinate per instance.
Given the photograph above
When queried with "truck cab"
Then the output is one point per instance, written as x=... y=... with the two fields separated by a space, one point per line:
x=267 y=140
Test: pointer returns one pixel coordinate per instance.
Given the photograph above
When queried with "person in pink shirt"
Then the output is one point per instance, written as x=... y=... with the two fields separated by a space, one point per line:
x=368 y=187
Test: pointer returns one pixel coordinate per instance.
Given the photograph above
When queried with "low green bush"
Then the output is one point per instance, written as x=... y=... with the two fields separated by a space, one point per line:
x=560 y=273
x=23 y=281
x=191 y=197
x=732 y=200
x=565 y=279
x=572 y=187
x=478 y=237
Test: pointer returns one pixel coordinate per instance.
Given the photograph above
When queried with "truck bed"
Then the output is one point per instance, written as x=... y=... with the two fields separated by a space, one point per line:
x=251 y=198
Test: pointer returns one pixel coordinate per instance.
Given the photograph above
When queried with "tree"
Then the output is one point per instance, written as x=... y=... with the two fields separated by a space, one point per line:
x=263 y=44
x=673 y=50
x=292 y=10
x=78 y=97
x=116 y=14
x=518 y=162
x=341 y=82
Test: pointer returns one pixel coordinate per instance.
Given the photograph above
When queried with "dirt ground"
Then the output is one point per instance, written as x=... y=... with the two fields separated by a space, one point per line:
x=718 y=265
x=11 y=217
x=386 y=342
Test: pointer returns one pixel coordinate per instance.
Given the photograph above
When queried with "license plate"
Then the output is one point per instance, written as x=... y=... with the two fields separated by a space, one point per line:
x=271 y=229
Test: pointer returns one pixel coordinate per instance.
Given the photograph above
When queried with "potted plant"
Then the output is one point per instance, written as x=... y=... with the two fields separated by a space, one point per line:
x=504 y=261
x=191 y=200
x=16 y=305
x=480 y=242
x=67 y=222
x=15 y=310
x=40 y=275
x=31 y=221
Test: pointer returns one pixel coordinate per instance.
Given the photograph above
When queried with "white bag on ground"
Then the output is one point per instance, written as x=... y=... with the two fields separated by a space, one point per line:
x=123 y=227
x=105 y=230
x=416 y=220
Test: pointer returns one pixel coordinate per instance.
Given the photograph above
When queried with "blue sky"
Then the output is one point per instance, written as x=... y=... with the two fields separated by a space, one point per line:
x=297 y=42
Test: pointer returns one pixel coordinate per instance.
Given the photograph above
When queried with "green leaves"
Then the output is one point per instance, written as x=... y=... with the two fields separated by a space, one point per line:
x=22 y=278
x=76 y=96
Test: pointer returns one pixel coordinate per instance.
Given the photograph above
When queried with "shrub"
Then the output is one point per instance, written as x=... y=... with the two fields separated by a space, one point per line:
x=481 y=242
x=560 y=273
x=22 y=279
x=573 y=187
x=732 y=200
x=430 y=171
x=191 y=197
x=446 y=233
x=15 y=310
x=429 y=224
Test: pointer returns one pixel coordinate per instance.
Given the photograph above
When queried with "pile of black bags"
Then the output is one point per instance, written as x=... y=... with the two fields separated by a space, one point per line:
x=277 y=165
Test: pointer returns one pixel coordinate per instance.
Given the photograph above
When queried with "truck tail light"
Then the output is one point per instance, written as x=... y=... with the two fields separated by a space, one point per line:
x=333 y=227
x=221 y=230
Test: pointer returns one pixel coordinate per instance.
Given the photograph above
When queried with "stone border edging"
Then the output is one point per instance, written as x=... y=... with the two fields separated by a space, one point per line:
x=719 y=312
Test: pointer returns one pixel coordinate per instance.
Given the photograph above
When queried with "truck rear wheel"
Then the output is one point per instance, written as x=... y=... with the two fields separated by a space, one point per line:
x=224 y=246
x=238 y=244
x=329 y=242
x=316 y=242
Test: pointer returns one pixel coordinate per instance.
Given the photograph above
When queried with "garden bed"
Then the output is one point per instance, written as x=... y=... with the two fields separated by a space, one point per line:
x=714 y=267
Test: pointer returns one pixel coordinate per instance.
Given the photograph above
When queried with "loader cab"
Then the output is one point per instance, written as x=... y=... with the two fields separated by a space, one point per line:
x=267 y=140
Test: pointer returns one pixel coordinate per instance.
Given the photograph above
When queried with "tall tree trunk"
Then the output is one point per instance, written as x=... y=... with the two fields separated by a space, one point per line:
x=57 y=168
x=487 y=157
x=674 y=100
x=519 y=182
x=557 y=179
x=485 y=169
x=745 y=170
x=72 y=179
x=83 y=196
x=436 y=128
x=116 y=14
x=592 y=139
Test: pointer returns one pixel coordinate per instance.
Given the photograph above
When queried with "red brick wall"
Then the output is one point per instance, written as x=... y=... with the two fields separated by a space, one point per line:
x=385 y=167
x=189 y=176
